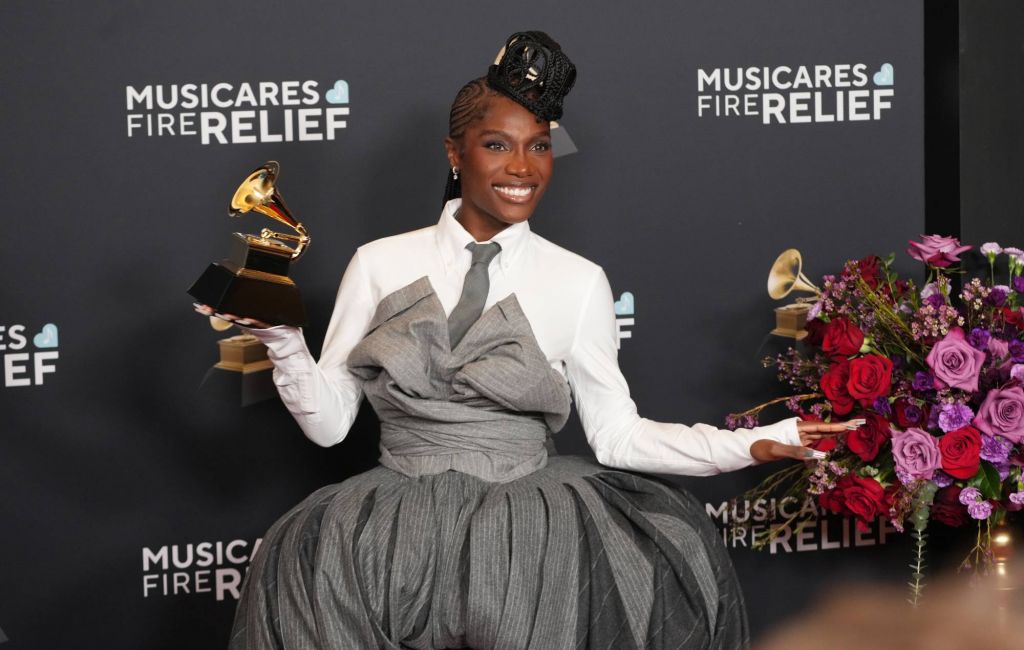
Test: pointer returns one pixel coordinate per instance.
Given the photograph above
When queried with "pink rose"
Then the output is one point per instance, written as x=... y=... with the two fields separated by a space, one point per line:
x=916 y=452
x=1002 y=414
x=936 y=250
x=956 y=362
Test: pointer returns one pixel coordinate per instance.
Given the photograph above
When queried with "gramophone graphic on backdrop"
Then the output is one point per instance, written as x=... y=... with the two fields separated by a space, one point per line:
x=253 y=282
x=785 y=277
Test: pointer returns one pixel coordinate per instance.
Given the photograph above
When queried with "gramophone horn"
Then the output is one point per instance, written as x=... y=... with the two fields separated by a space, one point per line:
x=786 y=276
x=257 y=192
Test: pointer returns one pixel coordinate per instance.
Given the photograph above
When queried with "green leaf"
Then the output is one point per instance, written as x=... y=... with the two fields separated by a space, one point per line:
x=987 y=480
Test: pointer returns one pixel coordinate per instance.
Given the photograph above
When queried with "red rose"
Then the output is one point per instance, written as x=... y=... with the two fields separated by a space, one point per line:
x=870 y=377
x=865 y=498
x=842 y=338
x=906 y=414
x=961 y=451
x=815 y=332
x=866 y=440
x=947 y=509
x=1014 y=317
x=869 y=268
x=833 y=384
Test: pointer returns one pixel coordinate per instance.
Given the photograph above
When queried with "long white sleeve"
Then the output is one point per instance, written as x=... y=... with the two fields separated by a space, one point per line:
x=618 y=435
x=324 y=397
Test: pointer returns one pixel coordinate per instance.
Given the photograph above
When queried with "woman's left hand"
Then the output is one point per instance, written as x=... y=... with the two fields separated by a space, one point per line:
x=810 y=432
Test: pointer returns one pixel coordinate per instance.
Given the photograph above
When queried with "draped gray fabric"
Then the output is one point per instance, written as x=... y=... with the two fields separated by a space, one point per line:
x=511 y=549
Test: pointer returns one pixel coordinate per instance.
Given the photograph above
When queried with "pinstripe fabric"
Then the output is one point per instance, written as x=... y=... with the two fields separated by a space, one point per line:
x=511 y=549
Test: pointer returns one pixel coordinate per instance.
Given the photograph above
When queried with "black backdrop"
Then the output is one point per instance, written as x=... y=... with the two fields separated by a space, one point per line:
x=113 y=463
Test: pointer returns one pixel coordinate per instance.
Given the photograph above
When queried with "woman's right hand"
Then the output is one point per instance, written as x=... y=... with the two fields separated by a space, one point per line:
x=207 y=310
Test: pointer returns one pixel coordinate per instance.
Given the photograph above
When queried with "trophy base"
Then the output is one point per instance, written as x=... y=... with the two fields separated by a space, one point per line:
x=250 y=294
x=239 y=387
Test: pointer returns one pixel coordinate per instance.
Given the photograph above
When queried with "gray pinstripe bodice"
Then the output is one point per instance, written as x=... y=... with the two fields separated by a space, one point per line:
x=484 y=408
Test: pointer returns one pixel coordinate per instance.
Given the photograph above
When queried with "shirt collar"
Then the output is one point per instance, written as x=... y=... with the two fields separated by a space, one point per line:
x=452 y=239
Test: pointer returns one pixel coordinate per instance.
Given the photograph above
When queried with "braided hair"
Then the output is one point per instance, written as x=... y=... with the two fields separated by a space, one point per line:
x=531 y=70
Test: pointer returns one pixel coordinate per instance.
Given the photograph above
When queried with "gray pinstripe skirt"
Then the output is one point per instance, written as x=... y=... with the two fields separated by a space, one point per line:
x=468 y=535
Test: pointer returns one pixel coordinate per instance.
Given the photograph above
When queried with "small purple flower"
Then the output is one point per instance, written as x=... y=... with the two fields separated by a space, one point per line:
x=997 y=297
x=905 y=477
x=995 y=449
x=942 y=479
x=1003 y=470
x=1017 y=372
x=935 y=300
x=970 y=495
x=923 y=381
x=1018 y=284
x=814 y=311
x=991 y=249
x=954 y=416
x=979 y=338
x=882 y=406
x=1017 y=350
x=1018 y=498
x=930 y=289
x=980 y=510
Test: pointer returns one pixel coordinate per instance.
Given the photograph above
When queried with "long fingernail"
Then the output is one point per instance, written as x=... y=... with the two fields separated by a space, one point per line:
x=816 y=454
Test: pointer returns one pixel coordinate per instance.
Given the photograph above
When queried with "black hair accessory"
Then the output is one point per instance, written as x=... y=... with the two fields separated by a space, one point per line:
x=534 y=72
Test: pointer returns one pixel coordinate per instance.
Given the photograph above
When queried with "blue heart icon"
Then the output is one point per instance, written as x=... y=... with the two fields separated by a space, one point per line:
x=338 y=94
x=47 y=338
x=884 y=75
x=624 y=305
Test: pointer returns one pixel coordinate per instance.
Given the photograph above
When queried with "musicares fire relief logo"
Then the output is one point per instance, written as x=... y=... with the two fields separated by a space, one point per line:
x=25 y=366
x=205 y=567
x=797 y=94
x=743 y=522
x=229 y=113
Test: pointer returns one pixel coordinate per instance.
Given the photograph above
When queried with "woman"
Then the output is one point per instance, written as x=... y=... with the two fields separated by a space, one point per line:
x=470 y=338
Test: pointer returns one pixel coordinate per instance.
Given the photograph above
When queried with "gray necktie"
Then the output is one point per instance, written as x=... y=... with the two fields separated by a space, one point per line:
x=474 y=291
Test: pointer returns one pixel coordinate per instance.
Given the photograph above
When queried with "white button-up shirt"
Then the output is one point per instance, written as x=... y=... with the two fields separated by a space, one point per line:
x=569 y=304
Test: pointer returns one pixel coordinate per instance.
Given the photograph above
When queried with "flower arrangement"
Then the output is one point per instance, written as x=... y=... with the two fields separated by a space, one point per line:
x=938 y=380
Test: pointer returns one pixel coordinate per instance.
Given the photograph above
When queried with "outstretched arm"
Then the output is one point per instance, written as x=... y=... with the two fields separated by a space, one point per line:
x=621 y=438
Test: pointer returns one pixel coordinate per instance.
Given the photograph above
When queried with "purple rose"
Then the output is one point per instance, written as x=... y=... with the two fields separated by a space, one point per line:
x=936 y=250
x=979 y=338
x=1002 y=414
x=955 y=362
x=923 y=381
x=916 y=452
x=954 y=416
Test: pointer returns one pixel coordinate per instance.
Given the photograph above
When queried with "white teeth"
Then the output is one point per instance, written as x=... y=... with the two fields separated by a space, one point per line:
x=514 y=191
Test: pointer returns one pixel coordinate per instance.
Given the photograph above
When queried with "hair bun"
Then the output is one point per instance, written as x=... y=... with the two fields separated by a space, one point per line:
x=533 y=71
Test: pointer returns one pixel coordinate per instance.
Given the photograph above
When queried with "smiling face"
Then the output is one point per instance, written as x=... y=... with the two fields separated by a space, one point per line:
x=504 y=162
